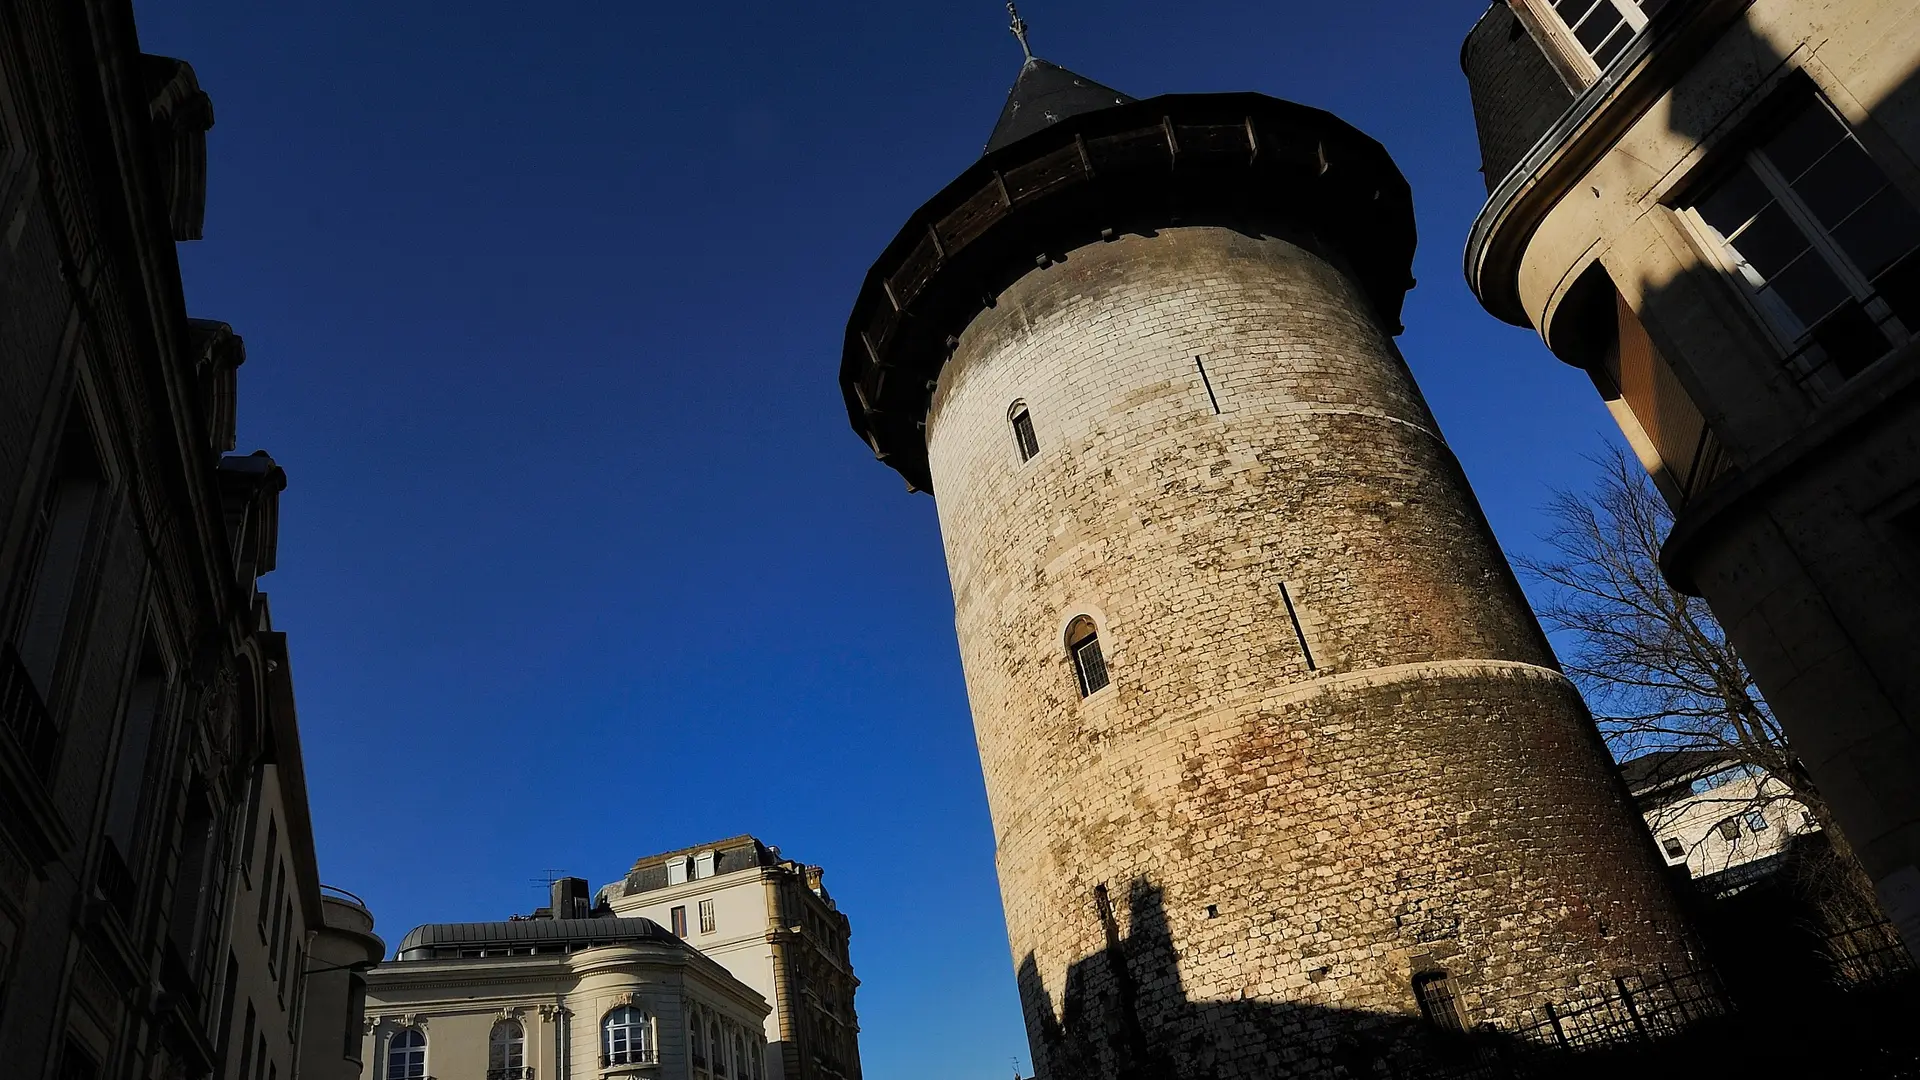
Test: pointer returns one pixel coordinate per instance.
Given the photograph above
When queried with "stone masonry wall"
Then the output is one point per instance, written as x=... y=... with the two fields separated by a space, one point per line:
x=1430 y=796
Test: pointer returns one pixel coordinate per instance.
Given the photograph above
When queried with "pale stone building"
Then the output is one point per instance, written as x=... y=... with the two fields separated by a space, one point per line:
x=770 y=922
x=160 y=900
x=1709 y=207
x=1711 y=814
x=567 y=993
x=1283 y=774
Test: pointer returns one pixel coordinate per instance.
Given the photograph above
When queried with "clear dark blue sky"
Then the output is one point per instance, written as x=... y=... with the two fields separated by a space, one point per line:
x=580 y=561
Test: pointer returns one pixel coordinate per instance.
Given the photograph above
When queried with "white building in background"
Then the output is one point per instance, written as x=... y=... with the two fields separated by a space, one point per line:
x=1712 y=814
x=772 y=924
x=566 y=993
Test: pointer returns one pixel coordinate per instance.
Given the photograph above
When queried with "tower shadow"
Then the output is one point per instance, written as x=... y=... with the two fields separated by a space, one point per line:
x=1124 y=1014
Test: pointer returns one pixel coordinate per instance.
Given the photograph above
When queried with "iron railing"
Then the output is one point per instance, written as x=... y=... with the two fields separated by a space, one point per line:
x=24 y=715
x=1634 y=1010
x=1870 y=955
x=511 y=1072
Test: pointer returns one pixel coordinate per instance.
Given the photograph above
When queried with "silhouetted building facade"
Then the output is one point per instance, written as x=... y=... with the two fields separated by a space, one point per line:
x=159 y=898
x=1709 y=207
x=1284 y=776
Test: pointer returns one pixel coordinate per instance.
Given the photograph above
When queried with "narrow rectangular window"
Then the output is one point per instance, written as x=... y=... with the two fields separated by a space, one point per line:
x=1299 y=630
x=279 y=911
x=1208 y=383
x=706 y=917
x=1906 y=531
x=1827 y=246
x=192 y=875
x=280 y=950
x=1023 y=436
x=76 y=1063
x=56 y=544
x=1102 y=905
x=1675 y=849
x=221 y=1048
x=246 y=1043
x=1730 y=830
x=1757 y=822
x=7 y=931
x=356 y=1014
x=679 y=916
x=1437 y=1001
x=250 y=835
x=266 y=877
x=117 y=883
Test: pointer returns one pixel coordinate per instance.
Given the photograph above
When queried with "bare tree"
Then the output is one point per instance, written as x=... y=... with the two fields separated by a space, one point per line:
x=1656 y=667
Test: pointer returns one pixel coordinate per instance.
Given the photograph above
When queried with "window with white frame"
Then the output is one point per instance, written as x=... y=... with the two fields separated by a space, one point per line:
x=1824 y=243
x=706 y=917
x=507 y=1051
x=407 y=1055
x=627 y=1037
x=1601 y=29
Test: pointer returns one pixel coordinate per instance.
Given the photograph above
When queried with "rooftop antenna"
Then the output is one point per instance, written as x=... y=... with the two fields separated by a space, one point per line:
x=1019 y=29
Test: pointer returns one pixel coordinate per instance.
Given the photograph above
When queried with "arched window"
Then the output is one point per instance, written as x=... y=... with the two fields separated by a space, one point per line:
x=740 y=1056
x=407 y=1055
x=759 y=1066
x=1024 y=439
x=1438 y=1004
x=626 y=1037
x=507 y=1051
x=716 y=1048
x=1089 y=663
x=696 y=1045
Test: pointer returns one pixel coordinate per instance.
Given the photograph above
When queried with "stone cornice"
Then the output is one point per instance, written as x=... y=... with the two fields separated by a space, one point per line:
x=1589 y=129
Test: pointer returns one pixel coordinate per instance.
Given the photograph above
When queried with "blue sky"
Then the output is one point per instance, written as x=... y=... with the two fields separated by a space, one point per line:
x=579 y=559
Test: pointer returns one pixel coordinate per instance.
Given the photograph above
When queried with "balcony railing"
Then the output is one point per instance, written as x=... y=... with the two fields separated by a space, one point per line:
x=629 y=1057
x=511 y=1072
x=23 y=715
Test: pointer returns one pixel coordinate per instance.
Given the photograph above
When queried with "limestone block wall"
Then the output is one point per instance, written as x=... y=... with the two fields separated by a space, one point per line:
x=1428 y=795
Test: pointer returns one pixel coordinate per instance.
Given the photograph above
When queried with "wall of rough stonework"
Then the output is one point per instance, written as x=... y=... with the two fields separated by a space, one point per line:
x=1430 y=795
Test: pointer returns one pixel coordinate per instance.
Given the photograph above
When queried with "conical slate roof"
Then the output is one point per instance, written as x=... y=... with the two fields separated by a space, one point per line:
x=1046 y=94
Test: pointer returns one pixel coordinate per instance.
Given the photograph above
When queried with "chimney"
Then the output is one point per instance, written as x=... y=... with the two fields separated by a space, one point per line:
x=569 y=898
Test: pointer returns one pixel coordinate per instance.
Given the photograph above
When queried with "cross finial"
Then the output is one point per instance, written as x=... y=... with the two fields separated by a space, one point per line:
x=1019 y=29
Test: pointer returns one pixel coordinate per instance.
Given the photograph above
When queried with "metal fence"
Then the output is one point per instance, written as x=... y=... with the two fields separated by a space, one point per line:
x=1635 y=1010
x=1869 y=956
x=1678 y=1023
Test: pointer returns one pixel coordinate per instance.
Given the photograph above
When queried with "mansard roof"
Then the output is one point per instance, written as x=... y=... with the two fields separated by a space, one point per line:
x=574 y=933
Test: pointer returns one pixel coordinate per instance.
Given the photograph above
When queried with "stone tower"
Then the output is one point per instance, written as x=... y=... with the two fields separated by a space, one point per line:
x=1282 y=770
